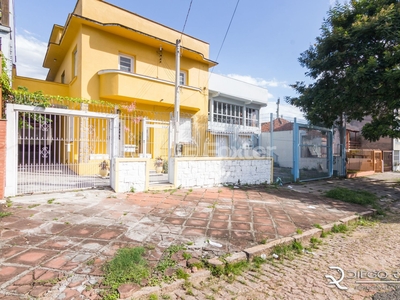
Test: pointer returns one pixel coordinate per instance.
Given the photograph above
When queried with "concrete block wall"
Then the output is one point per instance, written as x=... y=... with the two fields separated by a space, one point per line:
x=131 y=173
x=211 y=171
x=3 y=148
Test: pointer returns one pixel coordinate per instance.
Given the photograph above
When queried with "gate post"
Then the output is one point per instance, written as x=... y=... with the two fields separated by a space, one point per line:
x=296 y=171
x=3 y=151
x=330 y=152
x=11 y=151
x=114 y=149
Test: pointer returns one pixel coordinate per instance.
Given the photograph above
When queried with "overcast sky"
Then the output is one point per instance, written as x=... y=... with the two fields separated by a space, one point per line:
x=262 y=47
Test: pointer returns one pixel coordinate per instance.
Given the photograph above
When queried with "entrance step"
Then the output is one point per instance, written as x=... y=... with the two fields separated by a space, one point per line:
x=155 y=178
x=160 y=186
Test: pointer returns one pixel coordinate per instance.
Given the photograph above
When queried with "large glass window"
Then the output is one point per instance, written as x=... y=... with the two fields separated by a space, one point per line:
x=126 y=63
x=228 y=113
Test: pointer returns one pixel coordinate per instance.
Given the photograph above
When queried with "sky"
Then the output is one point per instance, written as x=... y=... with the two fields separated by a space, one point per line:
x=261 y=47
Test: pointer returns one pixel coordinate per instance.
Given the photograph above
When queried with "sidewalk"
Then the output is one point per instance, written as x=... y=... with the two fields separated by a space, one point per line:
x=48 y=240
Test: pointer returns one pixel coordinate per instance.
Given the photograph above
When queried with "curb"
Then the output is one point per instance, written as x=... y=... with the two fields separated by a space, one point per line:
x=250 y=253
x=246 y=255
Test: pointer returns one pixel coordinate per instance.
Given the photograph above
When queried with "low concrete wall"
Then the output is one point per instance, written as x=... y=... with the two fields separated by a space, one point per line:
x=213 y=171
x=131 y=174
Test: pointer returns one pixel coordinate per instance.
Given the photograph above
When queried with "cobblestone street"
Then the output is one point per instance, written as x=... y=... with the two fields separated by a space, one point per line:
x=367 y=248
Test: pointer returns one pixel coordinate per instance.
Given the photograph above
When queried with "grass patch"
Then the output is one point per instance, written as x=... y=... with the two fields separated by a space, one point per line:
x=5 y=214
x=50 y=201
x=318 y=226
x=33 y=205
x=315 y=242
x=128 y=265
x=8 y=203
x=341 y=228
x=363 y=198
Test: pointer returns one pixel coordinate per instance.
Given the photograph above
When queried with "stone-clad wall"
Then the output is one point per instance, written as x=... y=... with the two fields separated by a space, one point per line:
x=130 y=173
x=200 y=172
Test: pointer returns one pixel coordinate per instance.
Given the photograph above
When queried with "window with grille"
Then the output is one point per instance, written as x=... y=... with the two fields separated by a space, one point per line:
x=228 y=113
x=252 y=117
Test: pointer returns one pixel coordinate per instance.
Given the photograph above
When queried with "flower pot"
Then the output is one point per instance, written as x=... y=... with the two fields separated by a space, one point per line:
x=159 y=169
x=103 y=172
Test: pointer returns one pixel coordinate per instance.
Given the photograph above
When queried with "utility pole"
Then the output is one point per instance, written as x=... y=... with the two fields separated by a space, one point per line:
x=277 y=107
x=177 y=99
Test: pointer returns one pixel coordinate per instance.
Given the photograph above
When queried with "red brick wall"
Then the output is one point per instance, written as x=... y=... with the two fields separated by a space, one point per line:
x=3 y=124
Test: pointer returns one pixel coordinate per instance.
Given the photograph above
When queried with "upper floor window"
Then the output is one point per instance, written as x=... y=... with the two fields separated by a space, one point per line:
x=75 y=63
x=227 y=113
x=125 y=63
x=183 y=77
x=252 y=117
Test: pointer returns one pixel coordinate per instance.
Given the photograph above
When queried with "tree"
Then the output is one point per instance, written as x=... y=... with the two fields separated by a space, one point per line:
x=355 y=69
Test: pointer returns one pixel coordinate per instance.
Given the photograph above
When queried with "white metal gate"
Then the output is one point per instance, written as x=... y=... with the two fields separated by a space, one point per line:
x=58 y=149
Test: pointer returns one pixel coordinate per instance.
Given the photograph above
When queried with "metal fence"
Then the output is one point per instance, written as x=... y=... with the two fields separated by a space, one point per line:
x=58 y=152
x=300 y=151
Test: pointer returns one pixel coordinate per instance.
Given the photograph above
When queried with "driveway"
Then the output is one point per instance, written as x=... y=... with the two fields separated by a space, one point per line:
x=48 y=240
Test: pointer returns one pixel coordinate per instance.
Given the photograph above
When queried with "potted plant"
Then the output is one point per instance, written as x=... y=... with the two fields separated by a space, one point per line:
x=103 y=168
x=158 y=164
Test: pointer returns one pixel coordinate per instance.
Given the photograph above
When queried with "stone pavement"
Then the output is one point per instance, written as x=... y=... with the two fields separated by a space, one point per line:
x=53 y=245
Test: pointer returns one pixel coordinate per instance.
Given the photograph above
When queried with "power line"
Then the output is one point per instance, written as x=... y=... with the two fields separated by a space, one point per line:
x=187 y=16
x=227 y=30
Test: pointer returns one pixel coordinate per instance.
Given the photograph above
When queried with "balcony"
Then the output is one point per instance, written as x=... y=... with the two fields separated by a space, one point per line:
x=125 y=86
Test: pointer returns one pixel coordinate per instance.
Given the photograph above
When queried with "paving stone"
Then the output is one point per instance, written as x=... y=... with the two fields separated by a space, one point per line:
x=32 y=257
x=9 y=272
x=39 y=291
x=127 y=290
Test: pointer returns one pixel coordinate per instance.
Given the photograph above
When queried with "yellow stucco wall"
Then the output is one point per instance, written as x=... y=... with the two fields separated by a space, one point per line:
x=108 y=13
x=151 y=86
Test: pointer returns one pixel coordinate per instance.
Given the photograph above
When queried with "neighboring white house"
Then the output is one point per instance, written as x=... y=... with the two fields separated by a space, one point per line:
x=234 y=113
x=7 y=33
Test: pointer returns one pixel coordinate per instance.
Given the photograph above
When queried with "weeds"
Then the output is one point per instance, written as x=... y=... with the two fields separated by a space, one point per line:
x=214 y=205
x=341 y=228
x=50 y=201
x=318 y=226
x=355 y=196
x=128 y=265
x=315 y=242
x=33 y=205
x=4 y=214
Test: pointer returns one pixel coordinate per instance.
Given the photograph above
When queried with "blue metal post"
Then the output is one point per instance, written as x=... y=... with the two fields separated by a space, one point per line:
x=296 y=171
x=330 y=152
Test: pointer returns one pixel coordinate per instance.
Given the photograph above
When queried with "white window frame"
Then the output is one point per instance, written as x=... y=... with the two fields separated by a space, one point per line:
x=227 y=113
x=183 y=75
x=124 y=68
x=252 y=117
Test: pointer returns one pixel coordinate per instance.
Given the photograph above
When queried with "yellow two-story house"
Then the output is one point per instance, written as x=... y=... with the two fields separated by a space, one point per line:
x=104 y=52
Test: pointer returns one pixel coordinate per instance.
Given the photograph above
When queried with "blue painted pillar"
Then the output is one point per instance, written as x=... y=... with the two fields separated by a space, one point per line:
x=330 y=152
x=296 y=171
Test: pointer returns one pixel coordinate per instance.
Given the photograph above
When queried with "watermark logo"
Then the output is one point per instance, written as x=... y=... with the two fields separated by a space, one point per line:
x=333 y=279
